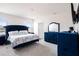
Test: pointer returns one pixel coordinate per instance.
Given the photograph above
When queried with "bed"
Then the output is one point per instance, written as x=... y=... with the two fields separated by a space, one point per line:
x=2 y=38
x=19 y=40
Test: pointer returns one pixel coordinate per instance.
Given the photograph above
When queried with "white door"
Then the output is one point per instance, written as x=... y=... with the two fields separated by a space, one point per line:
x=41 y=30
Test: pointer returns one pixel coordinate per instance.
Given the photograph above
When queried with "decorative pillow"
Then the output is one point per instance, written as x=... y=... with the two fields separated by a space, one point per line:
x=13 y=33
x=23 y=32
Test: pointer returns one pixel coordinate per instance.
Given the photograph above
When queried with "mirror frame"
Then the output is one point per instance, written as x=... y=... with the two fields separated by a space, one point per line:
x=54 y=23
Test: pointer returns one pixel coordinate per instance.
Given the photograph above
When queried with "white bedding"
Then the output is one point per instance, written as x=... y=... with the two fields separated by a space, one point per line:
x=19 y=39
x=2 y=33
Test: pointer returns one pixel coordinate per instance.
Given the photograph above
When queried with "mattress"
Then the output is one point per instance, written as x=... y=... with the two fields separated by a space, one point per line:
x=20 y=39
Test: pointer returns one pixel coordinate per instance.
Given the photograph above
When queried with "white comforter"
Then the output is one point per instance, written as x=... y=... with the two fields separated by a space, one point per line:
x=2 y=33
x=19 y=39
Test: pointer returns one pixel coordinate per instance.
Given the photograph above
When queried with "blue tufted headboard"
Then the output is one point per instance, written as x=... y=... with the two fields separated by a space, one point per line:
x=14 y=28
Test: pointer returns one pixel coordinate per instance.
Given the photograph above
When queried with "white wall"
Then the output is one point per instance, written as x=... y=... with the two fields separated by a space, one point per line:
x=41 y=13
x=7 y=19
x=75 y=6
x=76 y=26
x=64 y=18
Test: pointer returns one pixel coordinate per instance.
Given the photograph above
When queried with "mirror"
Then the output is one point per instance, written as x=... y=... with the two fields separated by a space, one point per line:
x=54 y=27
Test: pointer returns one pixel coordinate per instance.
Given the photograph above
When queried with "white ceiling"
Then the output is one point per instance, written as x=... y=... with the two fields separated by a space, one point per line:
x=34 y=10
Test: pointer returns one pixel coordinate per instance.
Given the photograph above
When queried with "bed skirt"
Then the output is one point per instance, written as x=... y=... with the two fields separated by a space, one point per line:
x=25 y=44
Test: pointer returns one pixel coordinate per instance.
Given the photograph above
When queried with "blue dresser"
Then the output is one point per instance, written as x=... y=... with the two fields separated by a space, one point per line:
x=51 y=37
x=67 y=42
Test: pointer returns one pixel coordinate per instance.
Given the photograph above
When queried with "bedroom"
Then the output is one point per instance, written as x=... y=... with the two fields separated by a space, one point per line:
x=36 y=16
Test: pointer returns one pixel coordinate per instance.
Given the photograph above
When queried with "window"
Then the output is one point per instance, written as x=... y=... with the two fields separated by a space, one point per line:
x=3 y=21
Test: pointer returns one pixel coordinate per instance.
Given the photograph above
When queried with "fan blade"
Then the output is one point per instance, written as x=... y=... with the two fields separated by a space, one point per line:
x=73 y=13
x=78 y=14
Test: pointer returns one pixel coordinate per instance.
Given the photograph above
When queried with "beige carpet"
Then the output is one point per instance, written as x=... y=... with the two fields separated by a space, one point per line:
x=36 y=49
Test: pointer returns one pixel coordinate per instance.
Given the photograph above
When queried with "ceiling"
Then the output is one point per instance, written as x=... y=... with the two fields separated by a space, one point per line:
x=34 y=10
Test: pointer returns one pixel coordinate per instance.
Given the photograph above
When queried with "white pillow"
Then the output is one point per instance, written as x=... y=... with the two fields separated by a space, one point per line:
x=13 y=33
x=23 y=32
